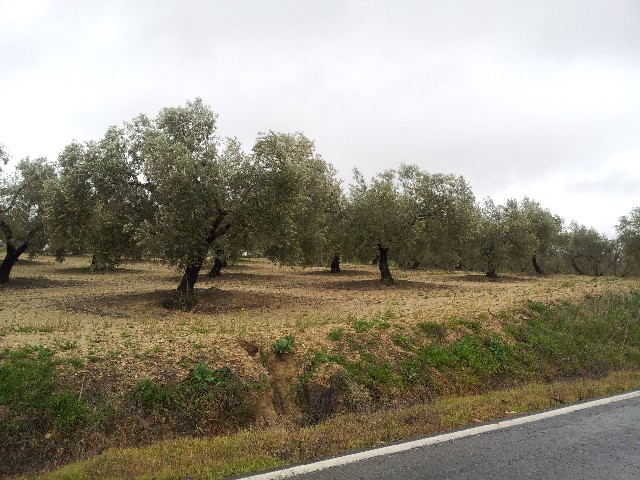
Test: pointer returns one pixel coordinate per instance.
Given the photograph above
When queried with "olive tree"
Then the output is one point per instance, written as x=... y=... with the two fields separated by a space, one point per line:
x=628 y=229
x=178 y=155
x=97 y=202
x=21 y=212
x=443 y=218
x=505 y=237
x=378 y=218
x=547 y=229
x=589 y=251
x=294 y=205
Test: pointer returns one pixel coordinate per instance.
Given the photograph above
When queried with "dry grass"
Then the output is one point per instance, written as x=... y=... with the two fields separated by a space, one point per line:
x=116 y=324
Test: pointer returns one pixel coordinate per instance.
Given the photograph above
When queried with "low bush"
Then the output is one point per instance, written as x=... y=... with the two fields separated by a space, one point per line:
x=284 y=345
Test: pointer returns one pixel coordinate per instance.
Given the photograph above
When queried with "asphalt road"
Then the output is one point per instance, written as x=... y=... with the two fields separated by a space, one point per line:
x=600 y=442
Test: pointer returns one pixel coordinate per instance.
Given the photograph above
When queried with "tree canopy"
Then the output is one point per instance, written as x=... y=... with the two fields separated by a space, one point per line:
x=168 y=187
x=21 y=211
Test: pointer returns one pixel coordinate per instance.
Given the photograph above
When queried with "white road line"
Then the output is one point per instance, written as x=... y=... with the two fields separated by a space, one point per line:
x=402 y=447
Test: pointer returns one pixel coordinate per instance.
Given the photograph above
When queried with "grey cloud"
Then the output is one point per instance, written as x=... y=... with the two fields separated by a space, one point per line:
x=618 y=183
x=499 y=91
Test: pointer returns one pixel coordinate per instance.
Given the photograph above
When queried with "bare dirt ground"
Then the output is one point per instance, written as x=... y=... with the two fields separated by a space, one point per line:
x=115 y=325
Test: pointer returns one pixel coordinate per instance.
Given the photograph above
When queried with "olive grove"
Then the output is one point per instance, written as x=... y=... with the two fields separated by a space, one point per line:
x=168 y=187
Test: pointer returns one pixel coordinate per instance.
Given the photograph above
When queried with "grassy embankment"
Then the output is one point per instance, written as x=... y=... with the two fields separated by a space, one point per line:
x=316 y=385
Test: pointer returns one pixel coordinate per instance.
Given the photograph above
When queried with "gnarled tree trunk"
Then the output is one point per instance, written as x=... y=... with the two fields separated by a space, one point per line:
x=9 y=261
x=13 y=252
x=335 y=263
x=574 y=264
x=218 y=265
x=190 y=277
x=536 y=266
x=383 y=264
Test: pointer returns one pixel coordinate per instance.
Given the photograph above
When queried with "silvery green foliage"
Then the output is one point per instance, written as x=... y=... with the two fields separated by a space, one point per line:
x=628 y=229
x=4 y=156
x=178 y=156
x=423 y=218
x=378 y=214
x=21 y=200
x=548 y=231
x=443 y=215
x=295 y=204
x=589 y=251
x=97 y=201
x=505 y=237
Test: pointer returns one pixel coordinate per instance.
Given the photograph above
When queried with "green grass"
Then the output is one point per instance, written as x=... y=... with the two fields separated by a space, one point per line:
x=541 y=341
x=33 y=395
x=433 y=330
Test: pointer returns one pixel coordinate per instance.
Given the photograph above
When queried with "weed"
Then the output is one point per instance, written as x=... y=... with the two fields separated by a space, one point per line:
x=313 y=359
x=283 y=345
x=403 y=340
x=93 y=358
x=380 y=321
x=336 y=334
x=203 y=374
x=433 y=330
x=362 y=325
x=76 y=362
x=536 y=307
x=151 y=395
x=68 y=345
x=376 y=375
x=263 y=356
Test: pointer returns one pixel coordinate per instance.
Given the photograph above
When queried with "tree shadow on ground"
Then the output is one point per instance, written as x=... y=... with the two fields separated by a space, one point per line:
x=217 y=301
x=237 y=276
x=27 y=283
x=32 y=261
x=87 y=271
x=484 y=278
x=208 y=300
x=328 y=273
x=377 y=285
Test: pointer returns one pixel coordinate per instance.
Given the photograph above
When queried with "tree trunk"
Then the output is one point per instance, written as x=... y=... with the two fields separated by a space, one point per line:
x=184 y=291
x=575 y=266
x=536 y=266
x=9 y=261
x=189 y=279
x=13 y=253
x=383 y=264
x=218 y=265
x=335 y=263
x=491 y=266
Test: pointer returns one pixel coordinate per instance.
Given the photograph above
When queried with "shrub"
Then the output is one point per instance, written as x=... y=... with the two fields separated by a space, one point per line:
x=203 y=374
x=283 y=345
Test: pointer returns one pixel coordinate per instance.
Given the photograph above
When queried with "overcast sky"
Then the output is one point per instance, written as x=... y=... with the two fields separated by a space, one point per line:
x=537 y=98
